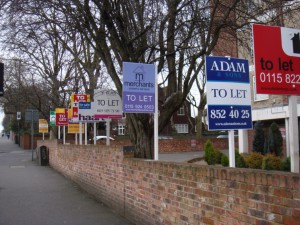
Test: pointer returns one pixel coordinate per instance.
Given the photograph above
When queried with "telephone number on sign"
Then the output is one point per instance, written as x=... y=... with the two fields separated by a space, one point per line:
x=233 y=114
x=138 y=106
x=279 y=78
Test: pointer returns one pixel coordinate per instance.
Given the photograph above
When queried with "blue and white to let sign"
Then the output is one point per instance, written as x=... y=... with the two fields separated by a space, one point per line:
x=138 y=88
x=84 y=105
x=228 y=93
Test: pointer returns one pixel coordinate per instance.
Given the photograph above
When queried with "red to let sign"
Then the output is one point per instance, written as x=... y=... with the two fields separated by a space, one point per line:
x=61 y=116
x=277 y=60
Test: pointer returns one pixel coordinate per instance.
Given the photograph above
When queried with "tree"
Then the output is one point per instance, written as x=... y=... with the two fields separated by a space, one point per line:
x=175 y=35
x=259 y=138
x=166 y=33
x=275 y=140
x=55 y=61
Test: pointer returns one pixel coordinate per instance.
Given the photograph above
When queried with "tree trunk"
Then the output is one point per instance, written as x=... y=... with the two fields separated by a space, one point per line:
x=141 y=134
x=199 y=124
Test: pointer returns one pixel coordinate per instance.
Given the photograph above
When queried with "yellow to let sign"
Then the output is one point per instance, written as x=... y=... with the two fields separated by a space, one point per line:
x=43 y=126
x=73 y=128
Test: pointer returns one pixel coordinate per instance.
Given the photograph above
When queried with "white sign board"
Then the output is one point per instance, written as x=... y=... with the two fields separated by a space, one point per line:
x=228 y=93
x=85 y=113
x=107 y=104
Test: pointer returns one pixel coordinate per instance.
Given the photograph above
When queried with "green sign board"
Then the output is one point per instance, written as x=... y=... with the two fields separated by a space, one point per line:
x=52 y=118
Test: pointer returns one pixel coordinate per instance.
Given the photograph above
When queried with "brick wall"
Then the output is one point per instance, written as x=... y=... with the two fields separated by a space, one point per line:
x=185 y=145
x=155 y=192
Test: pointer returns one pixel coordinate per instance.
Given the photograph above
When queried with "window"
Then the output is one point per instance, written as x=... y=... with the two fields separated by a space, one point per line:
x=121 y=130
x=258 y=97
x=182 y=128
x=181 y=111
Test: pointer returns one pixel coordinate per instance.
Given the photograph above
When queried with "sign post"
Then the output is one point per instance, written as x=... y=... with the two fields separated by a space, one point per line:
x=1 y=78
x=277 y=71
x=61 y=120
x=228 y=97
x=43 y=127
x=107 y=105
x=32 y=116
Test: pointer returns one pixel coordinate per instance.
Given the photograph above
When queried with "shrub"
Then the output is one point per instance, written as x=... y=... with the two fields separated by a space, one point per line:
x=239 y=160
x=209 y=153
x=259 y=138
x=254 y=160
x=271 y=162
x=218 y=156
x=286 y=164
x=224 y=160
x=244 y=156
x=275 y=140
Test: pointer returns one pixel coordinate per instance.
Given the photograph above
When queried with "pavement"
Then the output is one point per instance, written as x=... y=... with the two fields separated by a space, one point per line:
x=37 y=195
x=184 y=156
x=180 y=157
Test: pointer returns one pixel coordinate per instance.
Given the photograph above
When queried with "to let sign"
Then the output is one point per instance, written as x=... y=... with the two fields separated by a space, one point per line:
x=75 y=100
x=61 y=116
x=107 y=104
x=228 y=93
x=277 y=60
x=138 y=88
x=43 y=126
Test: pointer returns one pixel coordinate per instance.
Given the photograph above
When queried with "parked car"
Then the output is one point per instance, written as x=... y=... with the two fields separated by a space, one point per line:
x=98 y=138
x=165 y=137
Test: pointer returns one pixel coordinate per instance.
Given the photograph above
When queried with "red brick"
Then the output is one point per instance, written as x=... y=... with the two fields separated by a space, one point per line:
x=296 y=213
x=207 y=221
x=284 y=193
x=289 y=220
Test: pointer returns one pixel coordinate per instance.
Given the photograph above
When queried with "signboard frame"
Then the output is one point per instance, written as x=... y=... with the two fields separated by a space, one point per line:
x=61 y=116
x=107 y=104
x=139 y=85
x=276 y=59
x=229 y=107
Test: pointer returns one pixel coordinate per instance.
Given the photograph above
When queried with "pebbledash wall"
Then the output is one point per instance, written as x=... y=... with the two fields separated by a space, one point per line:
x=156 y=192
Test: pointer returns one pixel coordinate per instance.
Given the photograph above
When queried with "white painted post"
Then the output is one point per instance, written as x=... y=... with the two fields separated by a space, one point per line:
x=231 y=148
x=243 y=141
x=95 y=131
x=80 y=133
x=107 y=131
x=58 y=132
x=156 y=150
x=294 y=138
x=85 y=133
x=64 y=134
x=287 y=137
